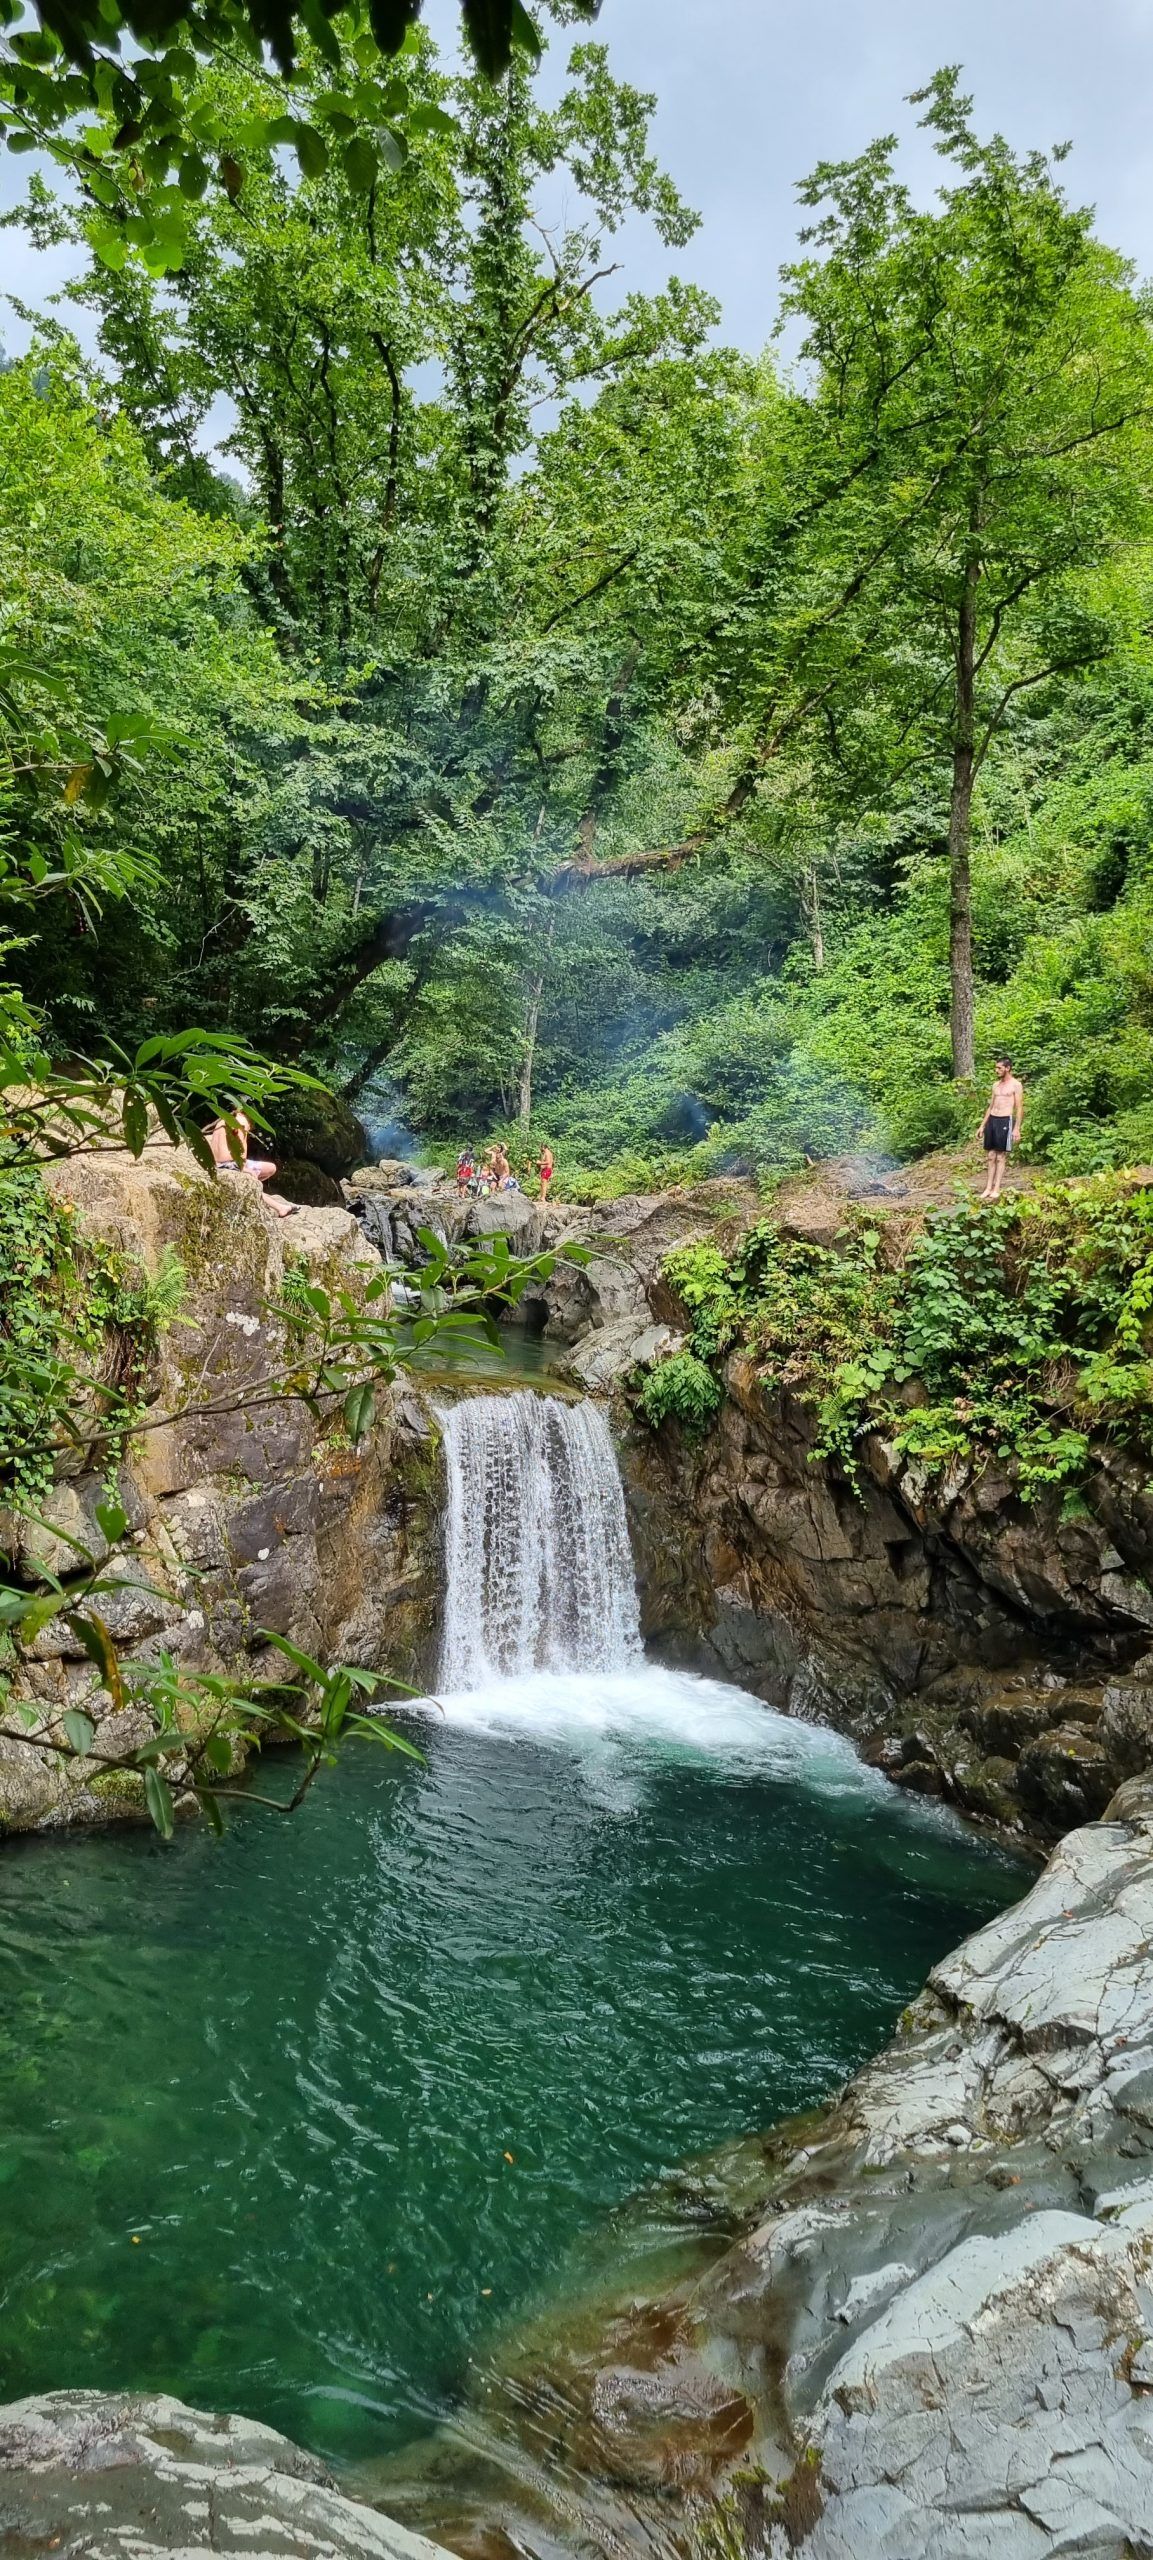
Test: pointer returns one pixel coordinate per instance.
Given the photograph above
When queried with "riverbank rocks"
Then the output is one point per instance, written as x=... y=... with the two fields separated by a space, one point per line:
x=930 y=2336
x=603 y=1317
x=246 y=1517
x=92 y=2476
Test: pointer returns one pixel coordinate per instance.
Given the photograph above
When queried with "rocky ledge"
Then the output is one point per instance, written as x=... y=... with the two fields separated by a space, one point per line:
x=598 y=1315
x=98 y=2477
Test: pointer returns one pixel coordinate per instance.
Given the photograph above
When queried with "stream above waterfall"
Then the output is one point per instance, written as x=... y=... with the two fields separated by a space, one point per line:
x=297 y=2123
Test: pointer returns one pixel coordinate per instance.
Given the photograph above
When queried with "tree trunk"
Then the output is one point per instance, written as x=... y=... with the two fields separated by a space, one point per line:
x=524 y=1094
x=532 y=1026
x=960 y=832
x=812 y=904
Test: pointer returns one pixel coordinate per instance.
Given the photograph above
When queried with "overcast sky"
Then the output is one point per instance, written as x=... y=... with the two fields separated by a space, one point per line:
x=745 y=111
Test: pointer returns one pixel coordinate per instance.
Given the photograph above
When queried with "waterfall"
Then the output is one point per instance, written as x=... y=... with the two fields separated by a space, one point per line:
x=539 y=1574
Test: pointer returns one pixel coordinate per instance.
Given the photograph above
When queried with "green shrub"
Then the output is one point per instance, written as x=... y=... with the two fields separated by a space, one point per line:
x=1025 y=1327
x=682 y=1389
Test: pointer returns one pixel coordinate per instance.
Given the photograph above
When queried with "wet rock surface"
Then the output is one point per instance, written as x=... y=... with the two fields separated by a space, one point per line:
x=604 y=1316
x=976 y=1647
x=987 y=1650
x=957 y=2279
x=117 y=2477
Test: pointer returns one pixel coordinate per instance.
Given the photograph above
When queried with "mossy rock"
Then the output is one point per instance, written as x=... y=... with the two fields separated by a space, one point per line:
x=318 y=1125
x=299 y=1179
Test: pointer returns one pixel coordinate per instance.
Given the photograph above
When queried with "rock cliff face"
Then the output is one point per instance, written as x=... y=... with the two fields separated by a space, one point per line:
x=977 y=1647
x=245 y=1518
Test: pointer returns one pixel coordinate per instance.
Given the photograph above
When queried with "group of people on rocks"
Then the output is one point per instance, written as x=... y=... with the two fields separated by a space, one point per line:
x=495 y=1173
x=228 y=1140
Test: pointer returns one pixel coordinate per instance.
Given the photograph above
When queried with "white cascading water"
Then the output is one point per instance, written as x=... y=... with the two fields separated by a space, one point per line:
x=539 y=1575
x=541 y=1626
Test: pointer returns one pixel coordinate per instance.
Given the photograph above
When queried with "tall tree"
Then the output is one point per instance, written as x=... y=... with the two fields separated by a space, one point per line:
x=976 y=444
x=386 y=350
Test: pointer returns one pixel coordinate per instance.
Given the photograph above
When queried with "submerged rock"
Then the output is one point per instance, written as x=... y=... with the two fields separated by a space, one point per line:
x=94 y=2476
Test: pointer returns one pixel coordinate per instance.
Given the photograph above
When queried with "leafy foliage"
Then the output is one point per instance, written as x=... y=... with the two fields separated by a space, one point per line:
x=684 y=1389
x=590 y=779
x=79 y=1329
x=131 y=129
x=1015 y=1332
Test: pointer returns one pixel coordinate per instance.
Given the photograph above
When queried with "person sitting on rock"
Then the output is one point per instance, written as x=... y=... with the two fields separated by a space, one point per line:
x=261 y=1168
x=1001 y=1127
x=465 y=1169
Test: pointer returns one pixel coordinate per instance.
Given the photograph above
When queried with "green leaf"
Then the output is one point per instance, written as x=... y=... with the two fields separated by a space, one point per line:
x=210 y=1806
x=110 y=247
x=372 y=1729
x=311 y=150
x=158 y=1797
x=522 y=30
x=193 y=174
x=361 y=163
x=113 y=1521
x=427 y=118
x=393 y=148
x=80 y=1730
x=336 y=1704
x=359 y=1409
x=303 y=1661
x=91 y=1632
x=135 y=1118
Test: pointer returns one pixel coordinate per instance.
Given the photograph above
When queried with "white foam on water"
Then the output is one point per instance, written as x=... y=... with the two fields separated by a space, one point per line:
x=648 y=1714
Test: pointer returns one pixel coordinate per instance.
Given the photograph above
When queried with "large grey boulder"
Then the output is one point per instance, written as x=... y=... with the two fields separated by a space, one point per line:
x=995 y=2410
x=96 y=2476
x=610 y=1352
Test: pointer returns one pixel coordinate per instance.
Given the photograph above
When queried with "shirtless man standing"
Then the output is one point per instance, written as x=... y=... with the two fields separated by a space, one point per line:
x=1001 y=1127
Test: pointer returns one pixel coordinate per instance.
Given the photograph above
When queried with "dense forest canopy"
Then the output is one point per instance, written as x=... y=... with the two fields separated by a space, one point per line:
x=537 y=715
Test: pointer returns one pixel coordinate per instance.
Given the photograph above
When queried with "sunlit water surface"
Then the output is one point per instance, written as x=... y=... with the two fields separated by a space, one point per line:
x=291 y=2123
